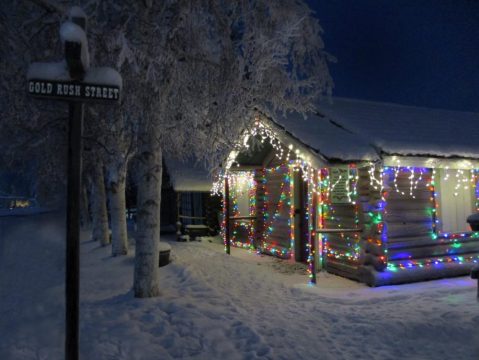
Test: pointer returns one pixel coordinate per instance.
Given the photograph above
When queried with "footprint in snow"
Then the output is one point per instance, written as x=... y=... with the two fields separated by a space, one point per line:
x=263 y=350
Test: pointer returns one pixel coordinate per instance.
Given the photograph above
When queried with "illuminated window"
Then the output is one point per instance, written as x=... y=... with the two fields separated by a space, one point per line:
x=456 y=199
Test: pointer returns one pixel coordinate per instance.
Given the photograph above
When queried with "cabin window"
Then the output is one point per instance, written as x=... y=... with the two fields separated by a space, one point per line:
x=242 y=191
x=242 y=197
x=191 y=205
x=186 y=207
x=456 y=199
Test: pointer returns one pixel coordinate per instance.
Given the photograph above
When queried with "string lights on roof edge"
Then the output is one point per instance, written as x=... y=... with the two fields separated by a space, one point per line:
x=295 y=161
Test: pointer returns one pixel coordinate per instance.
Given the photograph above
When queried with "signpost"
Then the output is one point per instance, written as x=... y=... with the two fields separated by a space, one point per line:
x=76 y=92
x=72 y=90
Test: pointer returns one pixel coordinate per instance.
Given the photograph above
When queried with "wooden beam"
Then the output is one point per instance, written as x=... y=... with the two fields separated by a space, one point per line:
x=312 y=233
x=178 y=222
x=245 y=168
x=238 y=218
x=336 y=231
x=227 y=215
x=192 y=217
x=431 y=162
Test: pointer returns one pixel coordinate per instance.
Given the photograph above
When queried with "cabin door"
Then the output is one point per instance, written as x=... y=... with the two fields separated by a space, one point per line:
x=300 y=202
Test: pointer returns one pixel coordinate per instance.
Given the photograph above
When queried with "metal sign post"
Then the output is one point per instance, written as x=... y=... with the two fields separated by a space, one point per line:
x=75 y=91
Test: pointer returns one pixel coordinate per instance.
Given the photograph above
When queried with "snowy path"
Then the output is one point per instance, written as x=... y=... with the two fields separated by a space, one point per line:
x=357 y=322
x=218 y=307
x=31 y=287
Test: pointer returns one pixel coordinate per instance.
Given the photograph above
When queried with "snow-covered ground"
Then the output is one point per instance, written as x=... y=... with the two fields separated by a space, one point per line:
x=218 y=307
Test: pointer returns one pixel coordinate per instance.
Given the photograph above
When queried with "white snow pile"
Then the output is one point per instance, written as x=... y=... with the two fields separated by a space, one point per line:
x=31 y=287
x=214 y=306
x=54 y=71
x=58 y=71
x=71 y=32
x=103 y=76
x=164 y=246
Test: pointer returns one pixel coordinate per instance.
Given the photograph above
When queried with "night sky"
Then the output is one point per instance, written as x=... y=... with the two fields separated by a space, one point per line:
x=414 y=52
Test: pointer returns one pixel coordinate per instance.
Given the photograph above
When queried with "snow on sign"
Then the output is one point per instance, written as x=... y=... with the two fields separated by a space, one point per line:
x=74 y=81
x=72 y=90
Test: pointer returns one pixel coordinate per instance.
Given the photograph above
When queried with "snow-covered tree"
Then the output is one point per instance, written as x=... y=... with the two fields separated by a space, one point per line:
x=115 y=128
x=32 y=135
x=95 y=182
x=206 y=67
x=195 y=72
x=118 y=147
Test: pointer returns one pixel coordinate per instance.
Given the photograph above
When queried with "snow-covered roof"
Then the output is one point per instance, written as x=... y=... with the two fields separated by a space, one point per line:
x=188 y=175
x=352 y=130
x=358 y=130
x=407 y=130
x=327 y=137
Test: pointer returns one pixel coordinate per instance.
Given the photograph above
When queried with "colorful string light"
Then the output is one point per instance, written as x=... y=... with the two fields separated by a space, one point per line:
x=375 y=212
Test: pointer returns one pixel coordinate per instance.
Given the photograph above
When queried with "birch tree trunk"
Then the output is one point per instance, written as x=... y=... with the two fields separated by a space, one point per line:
x=146 y=277
x=100 y=231
x=116 y=185
x=85 y=211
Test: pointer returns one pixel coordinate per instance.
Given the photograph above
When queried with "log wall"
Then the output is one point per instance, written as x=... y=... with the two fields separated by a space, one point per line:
x=269 y=198
x=409 y=237
x=344 y=251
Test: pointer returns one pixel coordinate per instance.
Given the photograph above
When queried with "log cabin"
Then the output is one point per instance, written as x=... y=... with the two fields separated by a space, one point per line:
x=374 y=192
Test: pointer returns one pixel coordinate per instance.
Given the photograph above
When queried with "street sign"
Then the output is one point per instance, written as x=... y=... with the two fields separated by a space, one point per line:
x=76 y=92
x=72 y=90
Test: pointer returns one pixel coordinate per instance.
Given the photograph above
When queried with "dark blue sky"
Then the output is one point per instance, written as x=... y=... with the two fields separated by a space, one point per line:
x=415 y=52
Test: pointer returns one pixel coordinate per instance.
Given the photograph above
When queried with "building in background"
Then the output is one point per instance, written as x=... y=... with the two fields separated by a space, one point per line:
x=197 y=210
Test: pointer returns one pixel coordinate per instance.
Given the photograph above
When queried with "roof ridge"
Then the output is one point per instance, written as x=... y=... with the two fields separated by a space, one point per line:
x=386 y=103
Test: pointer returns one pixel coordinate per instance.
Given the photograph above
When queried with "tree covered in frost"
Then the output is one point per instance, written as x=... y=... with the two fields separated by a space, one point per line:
x=32 y=133
x=115 y=127
x=195 y=73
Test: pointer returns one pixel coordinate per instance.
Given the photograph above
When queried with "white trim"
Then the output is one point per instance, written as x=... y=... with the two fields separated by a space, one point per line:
x=430 y=162
x=315 y=159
